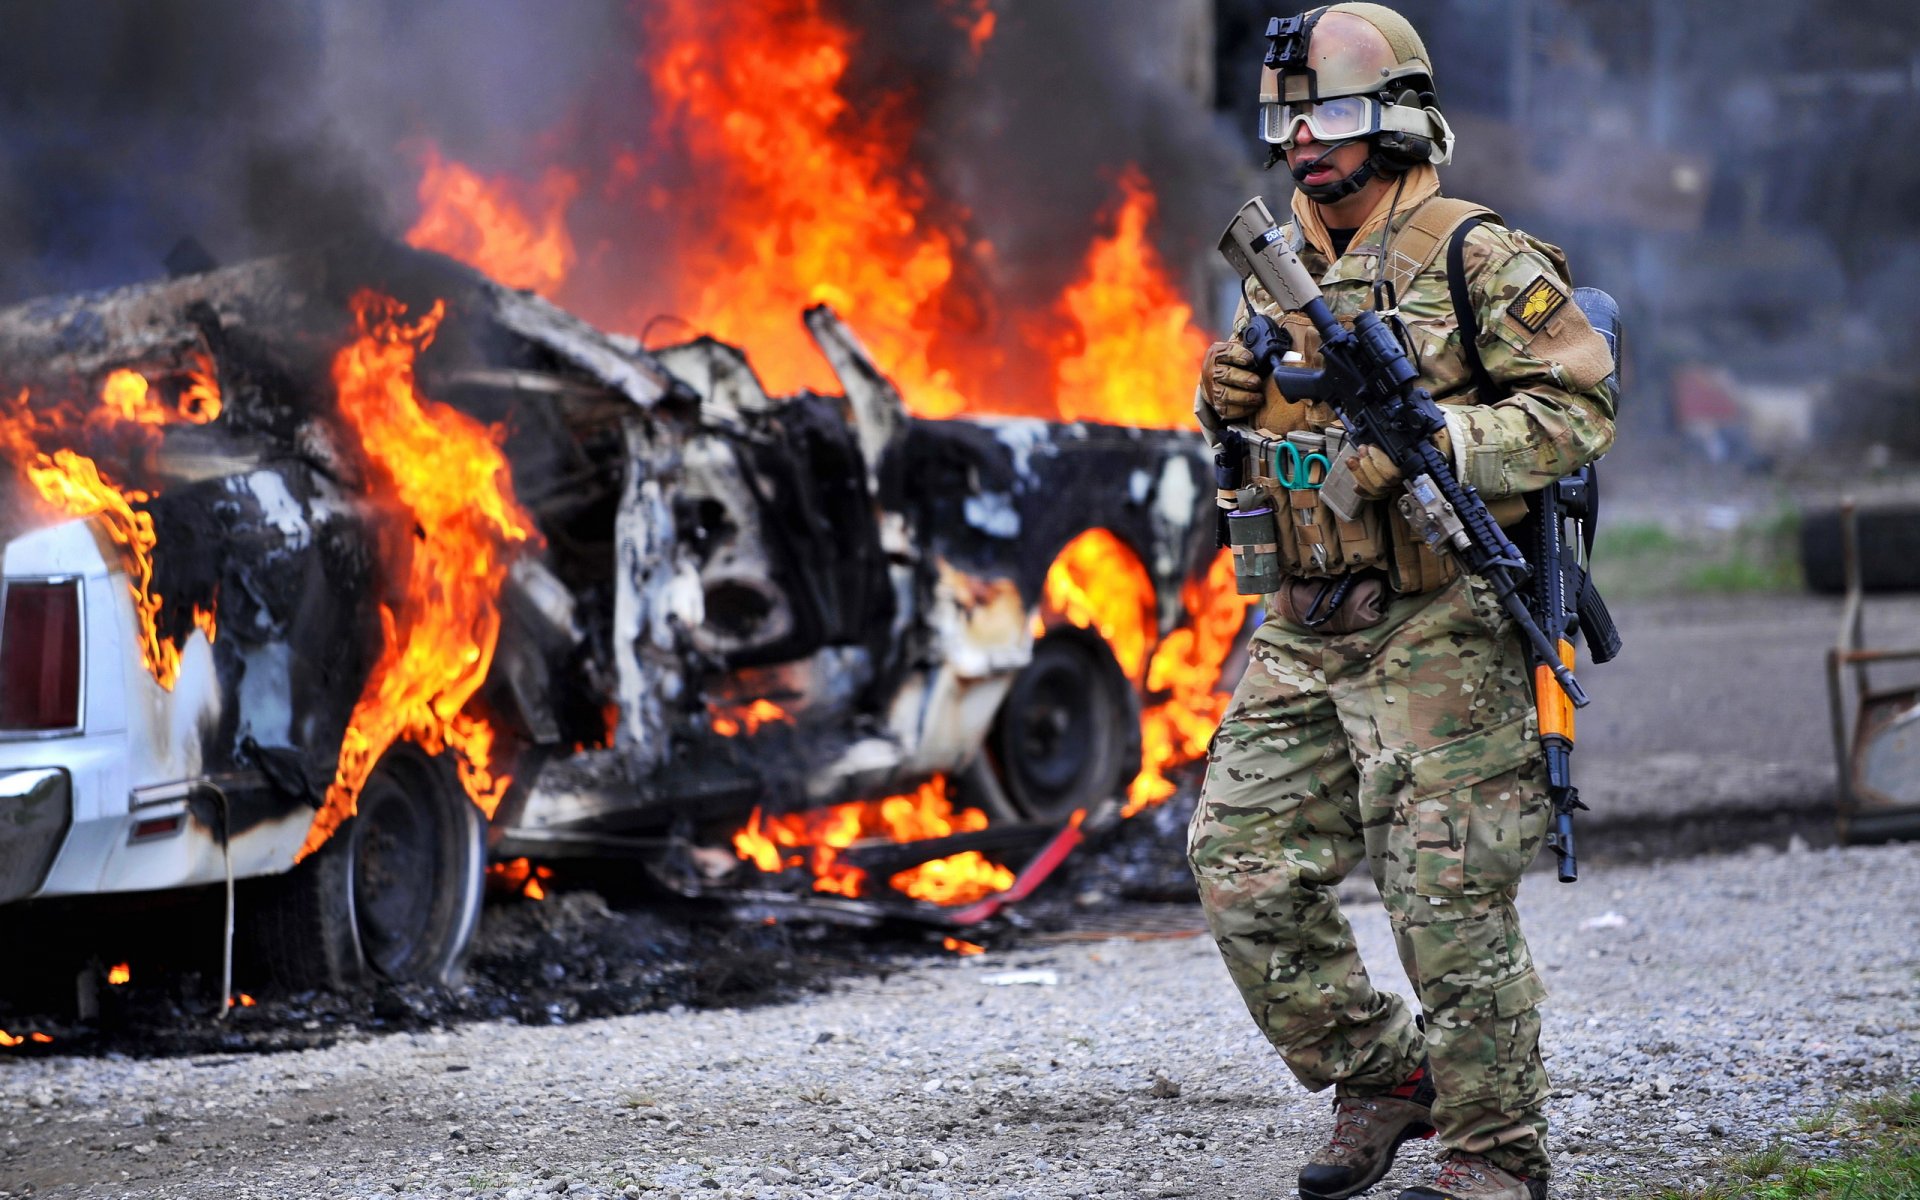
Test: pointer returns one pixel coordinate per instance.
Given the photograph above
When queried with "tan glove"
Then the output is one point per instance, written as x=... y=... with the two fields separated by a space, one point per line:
x=1228 y=381
x=1374 y=474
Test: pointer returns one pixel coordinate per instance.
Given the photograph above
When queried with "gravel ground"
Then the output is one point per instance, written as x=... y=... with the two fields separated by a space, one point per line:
x=1700 y=1008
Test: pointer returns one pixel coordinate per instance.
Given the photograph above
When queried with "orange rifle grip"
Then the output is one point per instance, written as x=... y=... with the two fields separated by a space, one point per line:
x=1550 y=699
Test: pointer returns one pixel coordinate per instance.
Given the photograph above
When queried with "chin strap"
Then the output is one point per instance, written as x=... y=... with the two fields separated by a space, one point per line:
x=1339 y=189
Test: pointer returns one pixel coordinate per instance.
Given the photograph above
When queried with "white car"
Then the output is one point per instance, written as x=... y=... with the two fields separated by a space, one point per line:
x=697 y=547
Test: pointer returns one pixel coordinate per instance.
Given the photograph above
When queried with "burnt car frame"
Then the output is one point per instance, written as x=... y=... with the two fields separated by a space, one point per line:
x=702 y=545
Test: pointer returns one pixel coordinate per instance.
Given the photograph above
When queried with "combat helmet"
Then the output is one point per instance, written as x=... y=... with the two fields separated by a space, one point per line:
x=1352 y=72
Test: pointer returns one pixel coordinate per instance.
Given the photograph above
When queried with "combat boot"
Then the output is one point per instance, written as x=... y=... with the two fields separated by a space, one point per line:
x=1470 y=1177
x=1367 y=1131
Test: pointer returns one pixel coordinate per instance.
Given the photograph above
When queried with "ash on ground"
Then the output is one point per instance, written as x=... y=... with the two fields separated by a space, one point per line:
x=568 y=958
x=575 y=956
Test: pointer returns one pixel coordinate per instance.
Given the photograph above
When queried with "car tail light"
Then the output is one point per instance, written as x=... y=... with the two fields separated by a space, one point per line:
x=40 y=656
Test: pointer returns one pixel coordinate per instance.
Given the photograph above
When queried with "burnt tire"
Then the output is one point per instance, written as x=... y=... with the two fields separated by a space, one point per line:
x=1067 y=736
x=395 y=894
x=1889 y=549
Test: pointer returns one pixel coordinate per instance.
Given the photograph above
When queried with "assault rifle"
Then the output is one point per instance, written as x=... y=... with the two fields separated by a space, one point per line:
x=1372 y=384
x=1565 y=601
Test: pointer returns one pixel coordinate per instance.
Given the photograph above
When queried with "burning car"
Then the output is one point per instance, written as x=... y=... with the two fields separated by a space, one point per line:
x=333 y=578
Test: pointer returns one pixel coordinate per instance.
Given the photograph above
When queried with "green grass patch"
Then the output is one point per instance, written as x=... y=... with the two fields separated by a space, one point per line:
x=1643 y=559
x=1886 y=1166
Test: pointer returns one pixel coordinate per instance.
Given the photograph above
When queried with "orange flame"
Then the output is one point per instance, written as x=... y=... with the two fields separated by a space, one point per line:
x=200 y=399
x=977 y=19
x=125 y=394
x=446 y=473
x=816 y=839
x=1132 y=361
x=1187 y=665
x=487 y=224
x=961 y=948
x=817 y=201
x=9 y=1040
x=70 y=483
x=119 y=973
x=242 y=1000
x=809 y=193
x=730 y=722
x=523 y=876
x=1097 y=582
x=956 y=879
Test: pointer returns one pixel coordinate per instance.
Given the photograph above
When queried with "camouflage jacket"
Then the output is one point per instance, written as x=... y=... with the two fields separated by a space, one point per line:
x=1554 y=414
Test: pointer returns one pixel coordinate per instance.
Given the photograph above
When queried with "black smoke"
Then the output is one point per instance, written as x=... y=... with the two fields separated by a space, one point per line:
x=257 y=127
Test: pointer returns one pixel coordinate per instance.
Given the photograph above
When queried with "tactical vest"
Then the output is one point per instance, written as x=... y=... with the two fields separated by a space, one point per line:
x=1316 y=542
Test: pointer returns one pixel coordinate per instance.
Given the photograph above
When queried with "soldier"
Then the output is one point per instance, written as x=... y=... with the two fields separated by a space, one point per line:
x=1386 y=709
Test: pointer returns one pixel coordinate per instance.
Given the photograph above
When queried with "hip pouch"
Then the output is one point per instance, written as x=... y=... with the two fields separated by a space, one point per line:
x=1326 y=607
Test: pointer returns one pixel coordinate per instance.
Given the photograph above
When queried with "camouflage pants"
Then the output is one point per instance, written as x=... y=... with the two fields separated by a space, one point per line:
x=1414 y=743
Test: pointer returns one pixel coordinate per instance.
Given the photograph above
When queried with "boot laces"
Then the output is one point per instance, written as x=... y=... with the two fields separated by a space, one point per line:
x=1349 y=1118
x=1458 y=1170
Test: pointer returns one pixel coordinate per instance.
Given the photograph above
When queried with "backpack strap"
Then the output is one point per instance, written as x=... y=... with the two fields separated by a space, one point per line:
x=1418 y=243
x=1463 y=310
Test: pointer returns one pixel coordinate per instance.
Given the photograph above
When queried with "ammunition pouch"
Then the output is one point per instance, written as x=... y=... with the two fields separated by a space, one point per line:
x=1314 y=541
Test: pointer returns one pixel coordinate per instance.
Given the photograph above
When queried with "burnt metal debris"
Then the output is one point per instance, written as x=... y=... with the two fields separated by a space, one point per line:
x=701 y=544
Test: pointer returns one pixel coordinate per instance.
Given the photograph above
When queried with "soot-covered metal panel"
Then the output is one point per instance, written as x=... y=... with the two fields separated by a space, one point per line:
x=705 y=551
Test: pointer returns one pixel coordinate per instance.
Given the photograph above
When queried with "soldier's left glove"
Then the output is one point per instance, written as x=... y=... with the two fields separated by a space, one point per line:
x=1375 y=475
x=1229 y=381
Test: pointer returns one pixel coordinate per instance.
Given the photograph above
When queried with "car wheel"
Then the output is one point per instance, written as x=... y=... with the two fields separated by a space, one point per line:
x=394 y=894
x=1068 y=734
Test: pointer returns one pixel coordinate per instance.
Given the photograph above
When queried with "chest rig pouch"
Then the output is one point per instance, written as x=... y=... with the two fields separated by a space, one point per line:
x=1313 y=539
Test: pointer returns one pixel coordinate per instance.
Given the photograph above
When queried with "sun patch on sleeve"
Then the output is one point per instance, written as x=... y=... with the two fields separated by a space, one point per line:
x=1536 y=304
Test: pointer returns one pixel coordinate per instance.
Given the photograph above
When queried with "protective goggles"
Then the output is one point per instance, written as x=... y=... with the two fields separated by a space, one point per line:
x=1332 y=120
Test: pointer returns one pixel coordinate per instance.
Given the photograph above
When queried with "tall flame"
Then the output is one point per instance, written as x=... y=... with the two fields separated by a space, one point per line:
x=1187 y=666
x=1097 y=582
x=445 y=473
x=1131 y=361
x=812 y=201
x=521 y=241
x=790 y=190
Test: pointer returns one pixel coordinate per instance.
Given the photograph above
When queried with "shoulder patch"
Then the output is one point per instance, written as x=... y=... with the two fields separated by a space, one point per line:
x=1536 y=304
